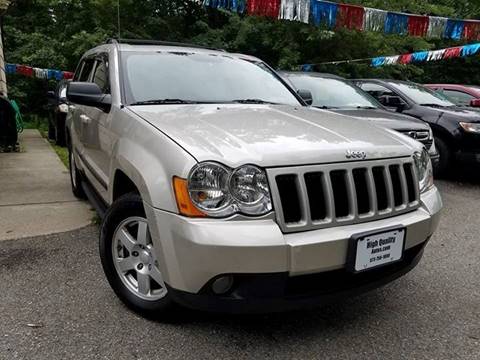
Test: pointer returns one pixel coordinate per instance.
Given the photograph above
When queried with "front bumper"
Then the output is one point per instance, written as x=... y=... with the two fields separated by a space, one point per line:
x=196 y=251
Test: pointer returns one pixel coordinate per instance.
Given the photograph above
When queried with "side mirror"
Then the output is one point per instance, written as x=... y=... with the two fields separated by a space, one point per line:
x=306 y=95
x=475 y=103
x=393 y=102
x=88 y=94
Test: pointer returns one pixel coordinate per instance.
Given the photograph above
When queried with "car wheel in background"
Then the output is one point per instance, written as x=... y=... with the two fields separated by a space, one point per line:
x=75 y=177
x=445 y=157
x=129 y=259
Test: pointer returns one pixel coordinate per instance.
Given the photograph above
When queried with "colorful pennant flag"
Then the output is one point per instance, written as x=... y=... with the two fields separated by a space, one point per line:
x=37 y=72
x=332 y=15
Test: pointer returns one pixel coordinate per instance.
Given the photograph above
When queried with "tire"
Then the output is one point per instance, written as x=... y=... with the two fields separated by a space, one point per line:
x=127 y=254
x=75 y=176
x=60 y=133
x=52 y=130
x=445 y=157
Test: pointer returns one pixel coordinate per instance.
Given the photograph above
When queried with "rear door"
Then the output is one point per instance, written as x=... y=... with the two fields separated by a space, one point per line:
x=77 y=112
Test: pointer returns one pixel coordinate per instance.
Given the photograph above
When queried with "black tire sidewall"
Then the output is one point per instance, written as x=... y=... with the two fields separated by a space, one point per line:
x=445 y=156
x=129 y=205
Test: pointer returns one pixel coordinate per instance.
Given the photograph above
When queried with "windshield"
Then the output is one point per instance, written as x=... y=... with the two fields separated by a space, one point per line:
x=188 y=77
x=422 y=95
x=333 y=93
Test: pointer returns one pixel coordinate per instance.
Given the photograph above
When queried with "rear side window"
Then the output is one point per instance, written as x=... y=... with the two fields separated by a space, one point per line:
x=458 y=97
x=86 y=70
x=100 y=76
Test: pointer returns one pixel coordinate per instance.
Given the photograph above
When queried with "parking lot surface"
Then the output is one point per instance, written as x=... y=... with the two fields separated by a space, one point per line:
x=56 y=304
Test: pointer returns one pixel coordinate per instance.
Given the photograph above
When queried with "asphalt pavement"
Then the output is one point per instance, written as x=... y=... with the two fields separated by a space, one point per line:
x=56 y=304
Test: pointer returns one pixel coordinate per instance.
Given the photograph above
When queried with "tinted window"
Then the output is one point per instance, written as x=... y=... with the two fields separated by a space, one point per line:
x=422 y=95
x=200 y=77
x=333 y=93
x=86 y=70
x=100 y=76
x=375 y=89
x=458 y=97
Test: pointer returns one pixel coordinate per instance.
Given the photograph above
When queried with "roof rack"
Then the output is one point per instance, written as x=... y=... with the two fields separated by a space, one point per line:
x=158 y=42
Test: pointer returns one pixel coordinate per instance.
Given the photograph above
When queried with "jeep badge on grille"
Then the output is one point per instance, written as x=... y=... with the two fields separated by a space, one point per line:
x=353 y=154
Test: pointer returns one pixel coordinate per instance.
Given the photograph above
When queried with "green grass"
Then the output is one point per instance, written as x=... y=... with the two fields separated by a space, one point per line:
x=62 y=153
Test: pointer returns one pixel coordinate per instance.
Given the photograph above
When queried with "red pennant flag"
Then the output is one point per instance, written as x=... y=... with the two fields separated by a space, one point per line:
x=417 y=25
x=68 y=75
x=25 y=70
x=270 y=8
x=350 y=16
x=452 y=52
x=405 y=59
x=471 y=31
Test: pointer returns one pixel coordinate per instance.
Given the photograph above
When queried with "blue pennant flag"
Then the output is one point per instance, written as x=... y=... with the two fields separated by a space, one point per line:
x=469 y=50
x=396 y=23
x=324 y=13
x=378 y=61
x=454 y=29
x=420 y=56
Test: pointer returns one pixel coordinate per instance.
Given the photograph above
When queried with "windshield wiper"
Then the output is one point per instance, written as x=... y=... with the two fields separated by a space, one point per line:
x=367 y=107
x=433 y=105
x=253 y=101
x=165 y=101
x=324 y=107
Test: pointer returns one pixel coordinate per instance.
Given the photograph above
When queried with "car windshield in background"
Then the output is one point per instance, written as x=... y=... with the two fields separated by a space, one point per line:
x=332 y=93
x=422 y=95
x=167 y=77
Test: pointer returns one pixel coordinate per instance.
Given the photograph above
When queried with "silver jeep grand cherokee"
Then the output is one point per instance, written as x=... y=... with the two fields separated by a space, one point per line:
x=223 y=192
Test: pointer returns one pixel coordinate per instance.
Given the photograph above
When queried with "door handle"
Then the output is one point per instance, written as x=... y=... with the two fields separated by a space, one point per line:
x=85 y=119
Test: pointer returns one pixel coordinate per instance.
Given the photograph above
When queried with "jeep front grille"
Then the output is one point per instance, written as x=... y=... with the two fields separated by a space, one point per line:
x=320 y=196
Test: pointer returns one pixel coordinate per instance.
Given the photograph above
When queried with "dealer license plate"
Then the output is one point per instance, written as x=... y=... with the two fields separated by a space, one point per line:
x=379 y=249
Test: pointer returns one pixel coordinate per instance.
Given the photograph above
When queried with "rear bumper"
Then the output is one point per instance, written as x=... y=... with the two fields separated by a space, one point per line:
x=266 y=293
x=194 y=252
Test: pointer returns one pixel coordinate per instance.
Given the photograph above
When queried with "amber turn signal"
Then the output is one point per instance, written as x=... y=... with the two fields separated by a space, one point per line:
x=185 y=205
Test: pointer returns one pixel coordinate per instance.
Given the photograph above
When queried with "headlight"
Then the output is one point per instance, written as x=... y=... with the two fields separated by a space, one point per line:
x=219 y=191
x=63 y=108
x=423 y=165
x=471 y=127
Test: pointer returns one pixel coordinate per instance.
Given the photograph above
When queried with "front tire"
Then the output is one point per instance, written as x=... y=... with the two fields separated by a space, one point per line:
x=129 y=258
x=445 y=157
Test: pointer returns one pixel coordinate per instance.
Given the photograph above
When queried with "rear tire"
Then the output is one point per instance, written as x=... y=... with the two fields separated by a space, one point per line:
x=129 y=259
x=75 y=176
x=445 y=160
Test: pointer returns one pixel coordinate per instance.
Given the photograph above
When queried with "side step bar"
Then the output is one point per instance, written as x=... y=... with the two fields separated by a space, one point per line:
x=96 y=201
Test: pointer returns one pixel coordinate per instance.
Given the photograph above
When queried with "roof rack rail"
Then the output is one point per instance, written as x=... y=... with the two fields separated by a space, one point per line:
x=158 y=42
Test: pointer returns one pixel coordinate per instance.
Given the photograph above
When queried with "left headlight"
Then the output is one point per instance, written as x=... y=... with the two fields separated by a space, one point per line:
x=424 y=168
x=219 y=191
x=471 y=127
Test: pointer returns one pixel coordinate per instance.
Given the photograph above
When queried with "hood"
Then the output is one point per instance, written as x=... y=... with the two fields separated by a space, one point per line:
x=386 y=118
x=460 y=113
x=271 y=135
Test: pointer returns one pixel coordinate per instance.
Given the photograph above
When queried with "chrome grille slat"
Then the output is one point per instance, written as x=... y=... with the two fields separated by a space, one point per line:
x=322 y=201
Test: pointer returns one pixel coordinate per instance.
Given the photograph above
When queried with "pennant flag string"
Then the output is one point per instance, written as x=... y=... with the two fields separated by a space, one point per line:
x=332 y=15
x=405 y=59
x=38 y=73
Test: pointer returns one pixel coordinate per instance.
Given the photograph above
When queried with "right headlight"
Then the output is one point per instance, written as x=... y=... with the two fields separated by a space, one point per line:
x=423 y=164
x=219 y=191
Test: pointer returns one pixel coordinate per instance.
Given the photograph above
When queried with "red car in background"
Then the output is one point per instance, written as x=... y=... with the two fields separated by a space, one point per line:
x=460 y=95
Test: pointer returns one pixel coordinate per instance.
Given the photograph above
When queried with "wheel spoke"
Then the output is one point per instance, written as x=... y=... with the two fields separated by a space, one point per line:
x=142 y=234
x=157 y=276
x=125 y=264
x=143 y=281
x=126 y=239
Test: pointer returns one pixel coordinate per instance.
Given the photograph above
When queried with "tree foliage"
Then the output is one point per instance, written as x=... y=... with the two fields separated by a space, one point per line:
x=55 y=33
